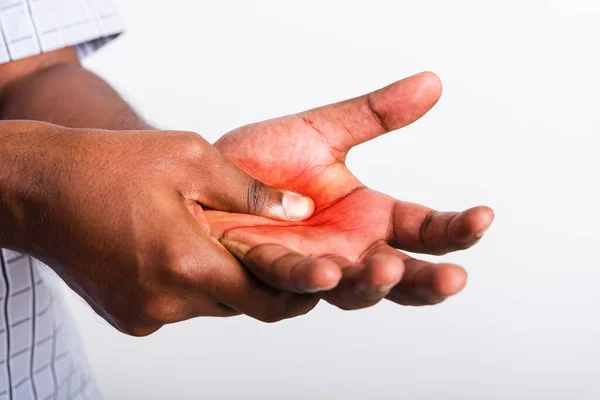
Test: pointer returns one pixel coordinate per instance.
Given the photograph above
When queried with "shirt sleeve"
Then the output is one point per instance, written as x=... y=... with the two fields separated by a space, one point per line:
x=30 y=27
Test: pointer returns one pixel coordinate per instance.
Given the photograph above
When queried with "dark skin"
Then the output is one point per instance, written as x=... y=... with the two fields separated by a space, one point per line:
x=119 y=214
x=82 y=224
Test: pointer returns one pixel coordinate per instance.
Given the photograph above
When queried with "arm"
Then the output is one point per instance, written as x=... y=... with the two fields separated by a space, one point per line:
x=119 y=216
x=54 y=87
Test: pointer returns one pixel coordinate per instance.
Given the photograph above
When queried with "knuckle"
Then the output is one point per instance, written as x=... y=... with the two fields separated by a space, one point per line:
x=257 y=196
x=307 y=305
x=271 y=318
x=191 y=146
x=128 y=321
x=188 y=270
x=275 y=311
x=138 y=330
x=162 y=310
x=184 y=265
x=288 y=305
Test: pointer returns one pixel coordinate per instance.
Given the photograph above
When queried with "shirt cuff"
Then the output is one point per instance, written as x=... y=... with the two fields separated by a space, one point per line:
x=33 y=27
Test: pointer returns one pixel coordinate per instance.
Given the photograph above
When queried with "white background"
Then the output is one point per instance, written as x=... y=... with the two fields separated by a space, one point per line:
x=517 y=128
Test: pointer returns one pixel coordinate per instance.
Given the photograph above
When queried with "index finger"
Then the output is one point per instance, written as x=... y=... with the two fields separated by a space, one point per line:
x=285 y=269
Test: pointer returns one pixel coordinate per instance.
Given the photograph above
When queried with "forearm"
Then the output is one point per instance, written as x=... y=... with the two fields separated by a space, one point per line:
x=52 y=87
x=64 y=93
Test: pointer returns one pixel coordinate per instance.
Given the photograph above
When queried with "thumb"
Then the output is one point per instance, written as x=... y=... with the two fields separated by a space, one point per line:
x=352 y=122
x=231 y=189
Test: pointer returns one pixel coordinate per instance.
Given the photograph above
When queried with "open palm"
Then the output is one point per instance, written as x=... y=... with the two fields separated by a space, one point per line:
x=347 y=250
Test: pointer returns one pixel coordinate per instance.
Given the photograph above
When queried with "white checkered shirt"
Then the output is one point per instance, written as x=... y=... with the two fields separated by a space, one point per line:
x=40 y=353
x=31 y=27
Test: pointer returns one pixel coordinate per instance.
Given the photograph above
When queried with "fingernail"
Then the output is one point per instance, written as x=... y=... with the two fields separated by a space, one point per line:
x=429 y=297
x=236 y=248
x=490 y=218
x=308 y=288
x=368 y=291
x=482 y=232
x=297 y=207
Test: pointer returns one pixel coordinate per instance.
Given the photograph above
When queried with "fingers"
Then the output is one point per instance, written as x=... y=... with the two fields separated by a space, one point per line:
x=349 y=123
x=284 y=269
x=257 y=300
x=199 y=277
x=235 y=290
x=425 y=283
x=420 y=229
x=346 y=284
x=364 y=285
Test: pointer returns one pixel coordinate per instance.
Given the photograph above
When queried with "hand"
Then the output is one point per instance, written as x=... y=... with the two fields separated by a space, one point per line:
x=346 y=249
x=119 y=216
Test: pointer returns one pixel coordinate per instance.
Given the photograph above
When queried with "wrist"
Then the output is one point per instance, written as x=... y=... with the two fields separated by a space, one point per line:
x=23 y=177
